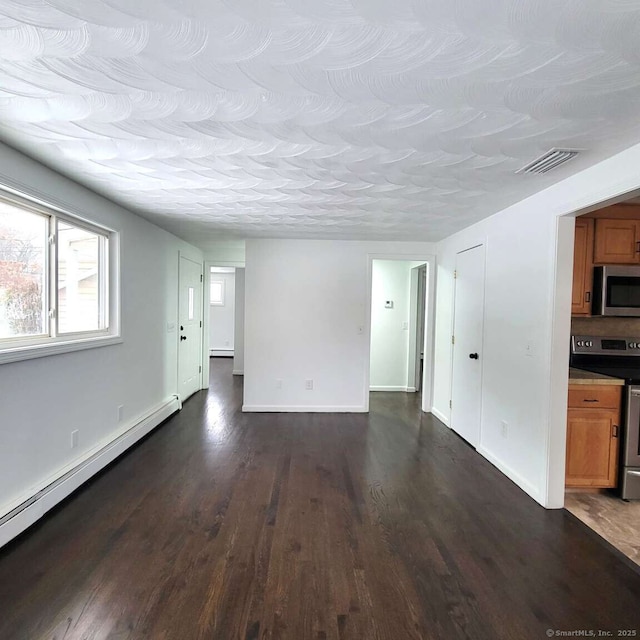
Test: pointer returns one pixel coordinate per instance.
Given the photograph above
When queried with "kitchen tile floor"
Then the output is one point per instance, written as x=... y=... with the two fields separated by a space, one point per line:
x=615 y=520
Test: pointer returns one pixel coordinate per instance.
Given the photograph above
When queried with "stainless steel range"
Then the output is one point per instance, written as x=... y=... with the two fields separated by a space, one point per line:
x=620 y=358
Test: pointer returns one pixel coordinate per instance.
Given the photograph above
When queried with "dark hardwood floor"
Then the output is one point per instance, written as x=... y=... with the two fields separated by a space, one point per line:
x=226 y=525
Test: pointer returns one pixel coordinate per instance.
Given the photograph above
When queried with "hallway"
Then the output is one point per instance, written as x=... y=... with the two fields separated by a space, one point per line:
x=223 y=525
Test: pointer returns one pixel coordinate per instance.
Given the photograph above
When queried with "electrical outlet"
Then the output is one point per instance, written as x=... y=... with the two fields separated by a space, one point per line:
x=504 y=429
x=279 y=383
x=405 y=326
x=308 y=385
x=74 y=439
x=120 y=412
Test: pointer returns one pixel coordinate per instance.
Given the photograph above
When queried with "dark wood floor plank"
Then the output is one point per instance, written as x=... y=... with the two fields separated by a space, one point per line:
x=224 y=525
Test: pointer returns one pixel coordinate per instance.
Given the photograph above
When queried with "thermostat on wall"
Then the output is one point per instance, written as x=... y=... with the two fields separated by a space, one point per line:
x=388 y=304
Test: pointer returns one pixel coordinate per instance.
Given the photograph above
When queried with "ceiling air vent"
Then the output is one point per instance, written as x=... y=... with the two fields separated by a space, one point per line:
x=550 y=160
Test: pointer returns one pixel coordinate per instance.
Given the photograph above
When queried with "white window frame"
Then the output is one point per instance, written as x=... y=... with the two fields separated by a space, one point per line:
x=18 y=348
x=222 y=292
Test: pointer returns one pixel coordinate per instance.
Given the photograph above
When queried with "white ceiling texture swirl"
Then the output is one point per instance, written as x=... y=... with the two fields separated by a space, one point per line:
x=352 y=119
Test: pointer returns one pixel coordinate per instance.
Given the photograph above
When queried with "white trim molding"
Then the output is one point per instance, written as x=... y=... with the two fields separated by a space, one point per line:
x=29 y=352
x=18 y=518
x=441 y=416
x=252 y=408
x=515 y=477
x=392 y=388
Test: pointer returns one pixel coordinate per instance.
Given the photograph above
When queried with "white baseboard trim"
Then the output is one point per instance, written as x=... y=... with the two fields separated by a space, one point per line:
x=440 y=416
x=57 y=487
x=254 y=408
x=224 y=353
x=515 y=477
x=388 y=388
x=238 y=372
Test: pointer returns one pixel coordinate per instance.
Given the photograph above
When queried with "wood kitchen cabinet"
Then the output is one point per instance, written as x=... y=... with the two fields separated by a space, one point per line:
x=582 y=267
x=593 y=435
x=617 y=241
x=610 y=235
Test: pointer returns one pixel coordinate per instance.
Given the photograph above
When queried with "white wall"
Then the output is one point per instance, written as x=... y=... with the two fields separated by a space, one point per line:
x=391 y=280
x=225 y=253
x=528 y=287
x=238 y=351
x=43 y=400
x=222 y=317
x=307 y=317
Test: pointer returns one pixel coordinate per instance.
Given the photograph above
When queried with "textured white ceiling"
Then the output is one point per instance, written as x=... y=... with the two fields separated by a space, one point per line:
x=317 y=118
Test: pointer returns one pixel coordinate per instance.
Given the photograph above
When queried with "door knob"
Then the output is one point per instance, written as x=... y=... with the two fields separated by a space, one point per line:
x=183 y=338
x=473 y=356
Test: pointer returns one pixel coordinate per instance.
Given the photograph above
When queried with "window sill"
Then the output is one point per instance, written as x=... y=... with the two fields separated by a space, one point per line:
x=28 y=352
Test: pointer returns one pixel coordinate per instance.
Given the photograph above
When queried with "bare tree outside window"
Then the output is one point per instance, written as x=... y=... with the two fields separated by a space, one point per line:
x=23 y=243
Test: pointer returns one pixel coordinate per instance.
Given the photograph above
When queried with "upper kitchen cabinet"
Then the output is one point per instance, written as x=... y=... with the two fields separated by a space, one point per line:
x=617 y=241
x=608 y=236
x=582 y=267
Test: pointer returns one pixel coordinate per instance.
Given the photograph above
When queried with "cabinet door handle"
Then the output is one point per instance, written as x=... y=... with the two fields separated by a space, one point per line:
x=587 y=296
x=590 y=400
x=616 y=429
x=638 y=247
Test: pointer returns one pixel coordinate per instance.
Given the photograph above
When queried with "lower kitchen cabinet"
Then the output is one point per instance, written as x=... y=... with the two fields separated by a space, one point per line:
x=593 y=436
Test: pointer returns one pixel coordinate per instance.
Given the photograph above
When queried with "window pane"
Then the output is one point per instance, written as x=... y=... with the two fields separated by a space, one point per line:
x=191 y=314
x=78 y=279
x=23 y=257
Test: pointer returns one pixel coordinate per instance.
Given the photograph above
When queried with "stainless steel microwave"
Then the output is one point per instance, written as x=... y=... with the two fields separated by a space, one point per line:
x=616 y=291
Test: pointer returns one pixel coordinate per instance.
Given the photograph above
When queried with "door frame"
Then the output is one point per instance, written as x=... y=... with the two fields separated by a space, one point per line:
x=206 y=320
x=429 y=318
x=182 y=254
x=474 y=245
x=555 y=435
x=416 y=320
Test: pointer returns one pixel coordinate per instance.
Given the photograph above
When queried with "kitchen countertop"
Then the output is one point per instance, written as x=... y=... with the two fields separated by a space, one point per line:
x=578 y=376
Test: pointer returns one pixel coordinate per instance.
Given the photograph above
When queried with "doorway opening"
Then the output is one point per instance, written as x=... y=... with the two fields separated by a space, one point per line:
x=398 y=317
x=222 y=300
x=602 y=463
x=225 y=317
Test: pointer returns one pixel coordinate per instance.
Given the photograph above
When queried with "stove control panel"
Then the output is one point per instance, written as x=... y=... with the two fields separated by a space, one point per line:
x=598 y=345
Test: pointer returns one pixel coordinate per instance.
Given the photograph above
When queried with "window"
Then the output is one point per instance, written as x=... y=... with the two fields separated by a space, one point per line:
x=190 y=313
x=54 y=279
x=217 y=292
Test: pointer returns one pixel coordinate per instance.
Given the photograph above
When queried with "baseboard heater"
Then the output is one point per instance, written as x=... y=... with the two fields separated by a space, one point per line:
x=33 y=508
x=221 y=353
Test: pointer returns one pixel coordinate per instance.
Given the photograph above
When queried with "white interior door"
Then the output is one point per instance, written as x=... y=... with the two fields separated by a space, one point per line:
x=190 y=328
x=467 y=345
